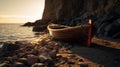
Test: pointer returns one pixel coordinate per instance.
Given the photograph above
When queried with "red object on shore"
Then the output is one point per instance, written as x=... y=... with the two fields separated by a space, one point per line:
x=90 y=33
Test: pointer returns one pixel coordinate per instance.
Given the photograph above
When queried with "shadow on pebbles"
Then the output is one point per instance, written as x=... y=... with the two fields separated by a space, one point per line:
x=46 y=52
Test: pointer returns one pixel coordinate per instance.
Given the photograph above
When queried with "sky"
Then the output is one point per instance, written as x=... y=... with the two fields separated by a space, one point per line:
x=20 y=11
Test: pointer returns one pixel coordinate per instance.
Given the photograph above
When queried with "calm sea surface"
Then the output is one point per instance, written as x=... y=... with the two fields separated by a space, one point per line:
x=15 y=32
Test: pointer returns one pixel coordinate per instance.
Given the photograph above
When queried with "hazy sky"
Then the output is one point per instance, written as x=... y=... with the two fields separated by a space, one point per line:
x=15 y=11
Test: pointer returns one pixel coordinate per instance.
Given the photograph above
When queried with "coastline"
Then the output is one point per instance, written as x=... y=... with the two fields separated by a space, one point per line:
x=45 y=51
x=26 y=47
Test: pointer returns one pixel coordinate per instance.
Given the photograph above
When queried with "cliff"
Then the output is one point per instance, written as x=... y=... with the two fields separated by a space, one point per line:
x=104 y=13
x=59 y=9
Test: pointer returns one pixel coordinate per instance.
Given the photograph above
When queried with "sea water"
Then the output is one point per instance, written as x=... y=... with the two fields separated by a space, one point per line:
x=16 y=32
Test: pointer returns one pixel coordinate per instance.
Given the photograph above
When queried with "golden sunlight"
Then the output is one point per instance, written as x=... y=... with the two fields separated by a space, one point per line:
x=17 y=19
x=24 y=11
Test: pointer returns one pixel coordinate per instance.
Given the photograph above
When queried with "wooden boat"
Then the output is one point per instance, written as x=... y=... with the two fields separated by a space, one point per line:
x=76 y=33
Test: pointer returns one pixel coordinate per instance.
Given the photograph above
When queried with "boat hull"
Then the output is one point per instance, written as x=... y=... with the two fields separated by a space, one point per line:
x=77 y=33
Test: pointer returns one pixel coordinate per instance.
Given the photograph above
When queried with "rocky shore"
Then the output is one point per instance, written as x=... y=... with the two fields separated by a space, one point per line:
x=104 y=14
x=44 y=52
x=47 y=52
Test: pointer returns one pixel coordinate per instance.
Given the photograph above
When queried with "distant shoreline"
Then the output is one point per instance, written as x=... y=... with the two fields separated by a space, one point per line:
x=11 y=23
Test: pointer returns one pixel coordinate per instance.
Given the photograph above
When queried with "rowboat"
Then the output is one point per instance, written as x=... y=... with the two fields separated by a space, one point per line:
x=67 y=33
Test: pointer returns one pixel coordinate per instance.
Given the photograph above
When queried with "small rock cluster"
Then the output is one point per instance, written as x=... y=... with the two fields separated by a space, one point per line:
x=43 y=53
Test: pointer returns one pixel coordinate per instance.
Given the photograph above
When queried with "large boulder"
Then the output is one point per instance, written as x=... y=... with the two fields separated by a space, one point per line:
x=10 y=46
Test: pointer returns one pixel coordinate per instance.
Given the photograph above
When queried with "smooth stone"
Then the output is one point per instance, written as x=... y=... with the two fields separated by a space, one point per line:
x=43 y=58
x=32 y=59
x=19 y=64
x=80 y=60
x=4 y=65
x=38 y=65
x=23 y=60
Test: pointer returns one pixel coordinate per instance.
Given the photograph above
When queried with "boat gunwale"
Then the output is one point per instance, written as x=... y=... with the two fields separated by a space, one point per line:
x=66 y=28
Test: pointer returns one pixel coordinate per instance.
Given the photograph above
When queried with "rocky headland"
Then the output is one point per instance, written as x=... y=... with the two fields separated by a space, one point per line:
x=104 y=14
x=47 y=52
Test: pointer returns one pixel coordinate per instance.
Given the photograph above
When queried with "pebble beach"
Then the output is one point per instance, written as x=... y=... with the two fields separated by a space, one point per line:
x=47 y=52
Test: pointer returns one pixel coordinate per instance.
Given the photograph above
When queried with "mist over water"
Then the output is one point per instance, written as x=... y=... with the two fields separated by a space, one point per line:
x=15 y=32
